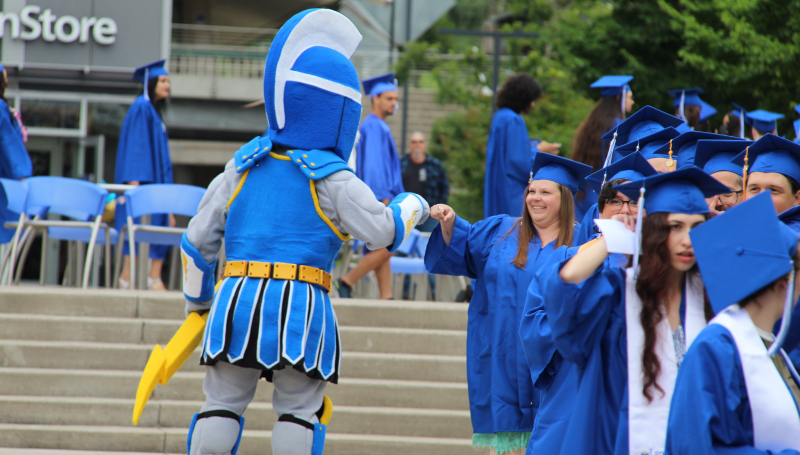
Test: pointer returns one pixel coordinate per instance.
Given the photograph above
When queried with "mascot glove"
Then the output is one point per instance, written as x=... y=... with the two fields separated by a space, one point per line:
x=198 y=275
x=410 y=210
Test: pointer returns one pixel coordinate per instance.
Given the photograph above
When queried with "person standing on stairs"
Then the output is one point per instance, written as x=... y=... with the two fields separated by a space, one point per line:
x=143 y=157
x=502 y=254
x=284 y=205
x=378 y=165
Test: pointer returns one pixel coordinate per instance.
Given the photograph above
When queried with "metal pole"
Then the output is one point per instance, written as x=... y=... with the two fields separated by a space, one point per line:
x=496 y=74
x=391 y=36
x=405 y=84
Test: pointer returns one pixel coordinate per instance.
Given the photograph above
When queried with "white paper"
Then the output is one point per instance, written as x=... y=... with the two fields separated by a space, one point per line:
x=619 y=239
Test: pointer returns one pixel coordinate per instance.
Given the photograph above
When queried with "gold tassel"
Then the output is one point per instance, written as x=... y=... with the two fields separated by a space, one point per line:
x=744 y=174
x=670 y=162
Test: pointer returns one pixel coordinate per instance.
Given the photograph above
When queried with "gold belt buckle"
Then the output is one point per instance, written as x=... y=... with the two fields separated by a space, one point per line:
x=326 y=280
x=259 y=269
x=284 y=271
x=236 y=268
x=310 y=274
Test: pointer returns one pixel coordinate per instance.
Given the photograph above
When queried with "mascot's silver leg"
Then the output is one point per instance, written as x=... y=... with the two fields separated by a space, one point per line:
x=296 y=399
x=217 y=429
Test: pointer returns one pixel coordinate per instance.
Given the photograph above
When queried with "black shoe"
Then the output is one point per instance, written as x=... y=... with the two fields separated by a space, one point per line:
x=345 y=290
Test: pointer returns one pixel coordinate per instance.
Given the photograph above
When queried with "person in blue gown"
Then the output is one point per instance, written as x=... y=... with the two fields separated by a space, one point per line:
x=736 y=393
x=15 y=163
x=143 y=157
x=501 y=254
x=588 y=146
x=556 y=379
x=589 y=302
x=509 y=153
x=378 y=165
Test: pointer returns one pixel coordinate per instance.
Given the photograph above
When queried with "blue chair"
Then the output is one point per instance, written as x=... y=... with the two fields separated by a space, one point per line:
x=412 y=264
x=13 y=196
x=80 y=200
x=159 y=198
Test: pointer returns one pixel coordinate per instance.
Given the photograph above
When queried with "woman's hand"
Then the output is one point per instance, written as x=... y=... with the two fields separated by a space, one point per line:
x=172 y=222
x=628 y=220
x=447 y=219
x=547 y=147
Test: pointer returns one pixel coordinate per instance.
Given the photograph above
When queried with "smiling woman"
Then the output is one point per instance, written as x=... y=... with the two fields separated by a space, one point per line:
x=502 y=254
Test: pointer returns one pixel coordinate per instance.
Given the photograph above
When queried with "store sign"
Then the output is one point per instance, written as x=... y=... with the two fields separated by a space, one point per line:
x=32 y=23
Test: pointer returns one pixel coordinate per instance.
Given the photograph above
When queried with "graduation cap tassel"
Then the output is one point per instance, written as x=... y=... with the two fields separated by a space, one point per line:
x=609 y=158
x=624 y=98
x=638 y=245
x=670 y=162
x=146 y=80
x=682 y=115
x=744 y=174
x=788 y=306
x=741 y=124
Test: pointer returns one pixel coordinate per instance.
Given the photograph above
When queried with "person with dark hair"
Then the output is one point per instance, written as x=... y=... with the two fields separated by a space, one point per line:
x=774 y=166
x=714 y=157
x=15 y=163
x=143 y=157
x=502 y=254
x=736 y=391
x=588 y=146
x=626 y=330
x=688 y=106
x=509 y=154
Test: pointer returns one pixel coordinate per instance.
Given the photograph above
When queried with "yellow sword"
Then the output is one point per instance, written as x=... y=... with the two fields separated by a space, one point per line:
x=163 y=363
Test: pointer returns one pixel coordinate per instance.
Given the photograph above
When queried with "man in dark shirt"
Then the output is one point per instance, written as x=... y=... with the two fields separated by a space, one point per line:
x=424 y=175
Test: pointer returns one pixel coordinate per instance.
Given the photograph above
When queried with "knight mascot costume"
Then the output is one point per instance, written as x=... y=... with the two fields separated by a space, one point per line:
x=284 y=205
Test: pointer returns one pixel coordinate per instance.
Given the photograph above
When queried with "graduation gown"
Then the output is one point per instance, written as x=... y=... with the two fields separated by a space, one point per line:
x=710 y=412
x=584 y=205
x=509 y=158
x=15 y=163
x=143 y=156
x=501 y=394
x=588 y=327
x=586 y=232
x=377 y=162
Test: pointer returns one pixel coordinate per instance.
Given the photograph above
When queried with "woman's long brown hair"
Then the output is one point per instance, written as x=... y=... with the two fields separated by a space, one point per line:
x=587 y=145
x=527 y=231
x=651 y=286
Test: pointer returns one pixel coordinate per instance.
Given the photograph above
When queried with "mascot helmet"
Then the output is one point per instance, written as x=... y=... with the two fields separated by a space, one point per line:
x=311 y=89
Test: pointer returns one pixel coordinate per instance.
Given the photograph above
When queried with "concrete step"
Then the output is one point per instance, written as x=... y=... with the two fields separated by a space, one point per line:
x=22 y=451
x=160 y=331
x=133 y=357
x=173 y=440
x=188 y=386
x=170 y=305
x=259 y=416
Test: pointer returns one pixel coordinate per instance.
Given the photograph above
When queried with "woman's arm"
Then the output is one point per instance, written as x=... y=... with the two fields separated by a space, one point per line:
x=585 y=263
x=447 y=219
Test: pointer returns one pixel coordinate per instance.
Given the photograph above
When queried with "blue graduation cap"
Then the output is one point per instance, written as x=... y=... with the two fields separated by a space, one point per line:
x=791 y=218
x=683 y=146
x=612 y=85
x=714 y=155
x=681 y=191
x=647 y=146
x=560 y=170
x=644 y=122
x=748 y=237
x=772 y=154
x=144 y=73
x=764 y=120
x=706 y=111
x=376 y=85
x=686 y=96
x=632 y=167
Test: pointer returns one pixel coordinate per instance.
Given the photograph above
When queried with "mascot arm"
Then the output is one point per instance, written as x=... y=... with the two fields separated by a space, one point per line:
x=409 y=210
x=352 y=208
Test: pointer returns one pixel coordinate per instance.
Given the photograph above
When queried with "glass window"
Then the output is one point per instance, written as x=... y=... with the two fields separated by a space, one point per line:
x=51 y=114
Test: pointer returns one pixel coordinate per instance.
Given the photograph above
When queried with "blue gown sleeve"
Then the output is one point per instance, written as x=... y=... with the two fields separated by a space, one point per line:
x=520 y=153
x=15 y=163
x=710 y=412
x=579 y=313
x=468 y=250
x=536 y=333
x=136 y=144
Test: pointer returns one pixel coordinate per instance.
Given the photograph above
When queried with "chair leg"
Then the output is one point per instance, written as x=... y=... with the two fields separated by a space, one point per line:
x=90 y=253
x=24 y=256
x=132 y=255
x=173 y=268
x=14 y=245
x=107 y=259
x=80 y=249
x=68 y=269
x=43 y=265
x=118 y=256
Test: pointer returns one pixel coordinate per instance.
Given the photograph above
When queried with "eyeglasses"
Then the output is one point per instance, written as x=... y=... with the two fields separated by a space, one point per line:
x=730 y=198
x=417 y=142
x=618 y=203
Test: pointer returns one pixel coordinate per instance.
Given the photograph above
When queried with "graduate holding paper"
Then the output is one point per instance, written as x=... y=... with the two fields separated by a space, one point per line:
x=502 y=254
x=626 y=332
x=736 y=391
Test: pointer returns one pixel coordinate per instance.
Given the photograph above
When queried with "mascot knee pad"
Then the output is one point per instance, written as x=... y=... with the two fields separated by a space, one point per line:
x=320 y=428
x=219 y=432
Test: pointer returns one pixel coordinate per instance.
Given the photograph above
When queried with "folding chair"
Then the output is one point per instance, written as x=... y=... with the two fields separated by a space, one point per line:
x=77 y=199
x=13 y=196
x=158 y=198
